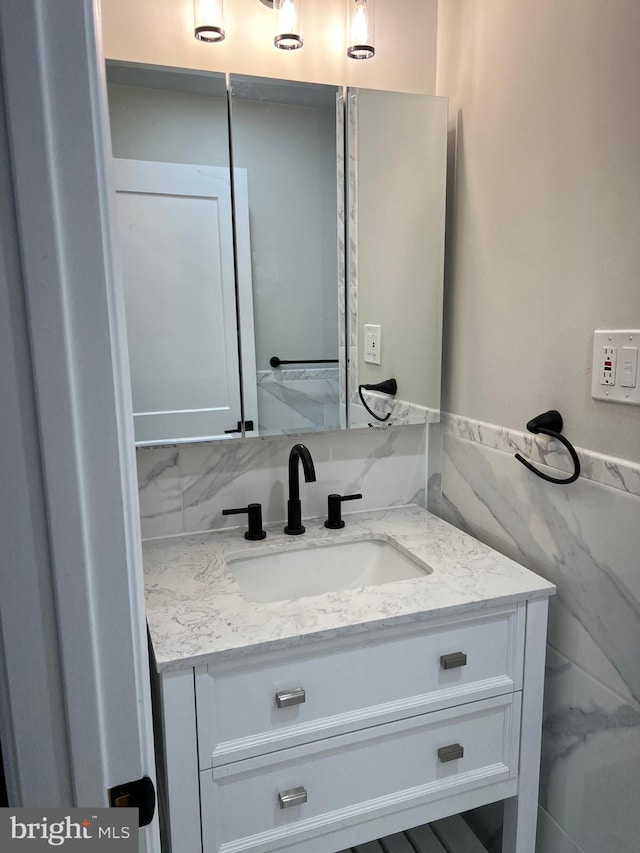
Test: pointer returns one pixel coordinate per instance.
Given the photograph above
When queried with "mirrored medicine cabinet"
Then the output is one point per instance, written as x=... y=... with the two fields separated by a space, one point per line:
x=264 y=225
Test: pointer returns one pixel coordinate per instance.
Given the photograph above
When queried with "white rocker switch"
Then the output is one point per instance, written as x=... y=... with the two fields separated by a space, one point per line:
x=628 y=366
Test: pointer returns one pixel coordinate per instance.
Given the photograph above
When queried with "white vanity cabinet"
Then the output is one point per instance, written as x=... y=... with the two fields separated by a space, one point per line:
x=322 y=744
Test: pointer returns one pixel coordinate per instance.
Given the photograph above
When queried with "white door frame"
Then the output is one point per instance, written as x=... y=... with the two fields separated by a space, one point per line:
x=84 y=621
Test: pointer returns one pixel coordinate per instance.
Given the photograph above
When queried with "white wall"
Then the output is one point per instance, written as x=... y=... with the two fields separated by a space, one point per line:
x=544 y=212
x=171 y=127
x=544 y=209
x=160 y=32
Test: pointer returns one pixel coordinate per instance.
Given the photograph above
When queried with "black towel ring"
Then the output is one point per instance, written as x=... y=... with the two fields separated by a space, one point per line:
x=550 y=423
x=388 y=386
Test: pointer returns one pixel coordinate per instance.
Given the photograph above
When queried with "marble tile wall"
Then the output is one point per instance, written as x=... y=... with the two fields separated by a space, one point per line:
x=298 y=400
x=183 y=489
x=585 y=538
x=400 y=412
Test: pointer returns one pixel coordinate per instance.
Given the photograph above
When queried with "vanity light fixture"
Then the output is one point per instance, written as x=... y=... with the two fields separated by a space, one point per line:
x=208 y=20
x=288 y=34
x=288 y=24
x=361 y=29
x=209 y=27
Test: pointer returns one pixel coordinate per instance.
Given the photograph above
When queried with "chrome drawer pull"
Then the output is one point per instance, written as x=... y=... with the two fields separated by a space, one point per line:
x=453 y=660
x=450 y=752
x=292 y=797
x=285 y=698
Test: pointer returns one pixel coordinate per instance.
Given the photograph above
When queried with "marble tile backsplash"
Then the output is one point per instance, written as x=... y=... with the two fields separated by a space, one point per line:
x=585 y=538
x=183 y=489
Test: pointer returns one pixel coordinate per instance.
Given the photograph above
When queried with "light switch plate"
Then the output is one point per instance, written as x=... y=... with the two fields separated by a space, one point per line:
x=615 y=366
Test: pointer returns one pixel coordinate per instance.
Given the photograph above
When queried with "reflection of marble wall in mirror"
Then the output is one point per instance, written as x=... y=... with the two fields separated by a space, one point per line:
x=397 y=146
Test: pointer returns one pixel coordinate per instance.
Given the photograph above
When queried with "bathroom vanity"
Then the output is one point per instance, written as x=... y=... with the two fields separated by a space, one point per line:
x=317 y=723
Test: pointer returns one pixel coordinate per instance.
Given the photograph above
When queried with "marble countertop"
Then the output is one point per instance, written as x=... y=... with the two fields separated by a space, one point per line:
x=196 y=611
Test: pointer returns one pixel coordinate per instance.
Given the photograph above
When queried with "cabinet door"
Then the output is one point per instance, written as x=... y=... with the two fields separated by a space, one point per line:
x=284 y=135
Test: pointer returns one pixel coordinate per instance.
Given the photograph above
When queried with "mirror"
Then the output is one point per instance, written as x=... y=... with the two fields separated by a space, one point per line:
x=231 y=214
x=194 y=377
x=397 y=149
x=173 y=209
x=283 y=138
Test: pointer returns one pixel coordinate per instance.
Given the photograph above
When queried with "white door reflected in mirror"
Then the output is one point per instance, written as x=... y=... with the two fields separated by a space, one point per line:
x=175 y=229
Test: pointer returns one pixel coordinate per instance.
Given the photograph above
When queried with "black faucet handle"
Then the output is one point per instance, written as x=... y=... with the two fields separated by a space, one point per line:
x=334 y=510
x=254 y=511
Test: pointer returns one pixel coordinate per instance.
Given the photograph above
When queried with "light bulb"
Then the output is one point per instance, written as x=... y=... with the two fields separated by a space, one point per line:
x=359 y=27
x=287 y=17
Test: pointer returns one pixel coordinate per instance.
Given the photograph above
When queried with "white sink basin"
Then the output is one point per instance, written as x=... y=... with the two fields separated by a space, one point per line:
x=286 y=575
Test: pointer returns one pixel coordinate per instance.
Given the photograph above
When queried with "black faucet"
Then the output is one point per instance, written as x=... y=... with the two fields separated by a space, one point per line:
x=294 y=507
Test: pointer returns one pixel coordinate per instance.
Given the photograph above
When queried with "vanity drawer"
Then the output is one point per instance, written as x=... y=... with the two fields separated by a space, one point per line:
x=339 y=686
x=359 y=777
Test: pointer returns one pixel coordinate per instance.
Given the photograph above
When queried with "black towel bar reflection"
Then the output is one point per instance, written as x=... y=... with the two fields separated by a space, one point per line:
x=550 y=423
x=274 y=361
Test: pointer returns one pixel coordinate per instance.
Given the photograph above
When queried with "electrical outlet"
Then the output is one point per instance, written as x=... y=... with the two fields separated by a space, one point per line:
x=608 y=366
x=372 y=343
x=615 y=366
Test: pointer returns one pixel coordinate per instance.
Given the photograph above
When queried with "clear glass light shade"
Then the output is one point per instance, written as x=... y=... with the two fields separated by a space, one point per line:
x=208 y=20
x=288 y=24
x=361 y=29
